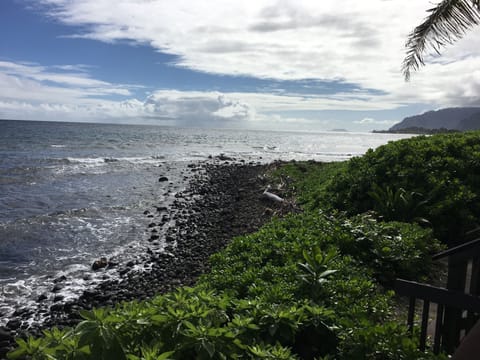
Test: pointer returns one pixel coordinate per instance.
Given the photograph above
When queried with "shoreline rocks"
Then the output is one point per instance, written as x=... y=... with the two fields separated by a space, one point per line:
x=221 y=202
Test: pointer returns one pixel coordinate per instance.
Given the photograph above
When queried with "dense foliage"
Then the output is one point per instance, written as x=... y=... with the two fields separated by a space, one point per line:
x=434 y=179
x=301 y=287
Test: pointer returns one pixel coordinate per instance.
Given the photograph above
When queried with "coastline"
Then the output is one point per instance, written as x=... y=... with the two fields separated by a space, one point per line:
x=275 y=275
x=223 y=200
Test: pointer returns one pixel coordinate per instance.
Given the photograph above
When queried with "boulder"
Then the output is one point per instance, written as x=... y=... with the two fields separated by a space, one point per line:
x=99 y=264
x=13 y=324
x=57 y=288
x=223 y=157
x=60 y=279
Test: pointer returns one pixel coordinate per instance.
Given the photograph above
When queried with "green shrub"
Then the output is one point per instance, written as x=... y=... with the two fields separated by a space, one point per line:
x=308 y=182
x=390 y=249
x=388 y=340
x=437 y=176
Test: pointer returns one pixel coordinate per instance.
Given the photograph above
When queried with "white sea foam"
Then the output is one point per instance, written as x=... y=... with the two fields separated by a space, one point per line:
x=89 y=161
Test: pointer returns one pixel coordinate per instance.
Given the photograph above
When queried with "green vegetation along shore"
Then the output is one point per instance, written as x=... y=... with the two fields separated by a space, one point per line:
x=315 y=284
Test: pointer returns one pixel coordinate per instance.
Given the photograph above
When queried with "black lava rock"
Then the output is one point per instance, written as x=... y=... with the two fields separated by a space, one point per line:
x=99 y=264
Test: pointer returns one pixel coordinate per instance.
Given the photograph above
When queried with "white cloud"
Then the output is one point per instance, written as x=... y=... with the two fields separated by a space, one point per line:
x=36 y=83
x=197 y=108
x=42 y=73
x=365 y=121
x=359 y=42
x=33 y=91
x=371 y=121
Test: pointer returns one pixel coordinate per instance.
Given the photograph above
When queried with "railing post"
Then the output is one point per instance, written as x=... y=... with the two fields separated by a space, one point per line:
x=474 y=290
x=438 y=329
x=423 y=329
x=457 y=272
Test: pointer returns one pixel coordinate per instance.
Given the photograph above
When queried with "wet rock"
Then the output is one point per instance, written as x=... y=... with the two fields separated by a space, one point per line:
x=99 y=264
x=223 y=157
x=88 y=294
x=57 y=288
x=165 y=218
x=21 y=312
x=56 y=307
x=162 y=179
x=60 y=279
x=123 y=271
x=13 y=324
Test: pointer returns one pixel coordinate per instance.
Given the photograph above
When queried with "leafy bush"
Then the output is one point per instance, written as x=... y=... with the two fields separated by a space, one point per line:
x=382 y=341
x=390 y=249
x=401 y=205
x=308 y=182
x=438 y=177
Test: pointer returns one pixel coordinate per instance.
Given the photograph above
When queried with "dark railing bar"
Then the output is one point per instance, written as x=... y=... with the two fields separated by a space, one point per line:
x=423 y=330
x=411 y=313
x=457 y=249
x=438 y=295
x=438 y=329
x=473 y=231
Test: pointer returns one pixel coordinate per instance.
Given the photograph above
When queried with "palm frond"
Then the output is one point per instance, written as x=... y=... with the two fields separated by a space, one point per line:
x=447 y=22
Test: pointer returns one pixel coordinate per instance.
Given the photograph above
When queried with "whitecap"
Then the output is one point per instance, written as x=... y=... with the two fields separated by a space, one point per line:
x=90 y=161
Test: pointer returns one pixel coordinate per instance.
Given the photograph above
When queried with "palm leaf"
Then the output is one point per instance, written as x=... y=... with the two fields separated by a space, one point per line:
x=447 y=22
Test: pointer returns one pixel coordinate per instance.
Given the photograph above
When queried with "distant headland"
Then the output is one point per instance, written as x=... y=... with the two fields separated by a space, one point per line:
x=439 y=121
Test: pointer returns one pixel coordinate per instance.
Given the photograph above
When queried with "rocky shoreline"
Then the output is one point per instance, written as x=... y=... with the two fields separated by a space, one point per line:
x=223 y=200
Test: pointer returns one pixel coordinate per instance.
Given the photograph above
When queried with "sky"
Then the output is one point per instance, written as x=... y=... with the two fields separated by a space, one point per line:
x=254 y=64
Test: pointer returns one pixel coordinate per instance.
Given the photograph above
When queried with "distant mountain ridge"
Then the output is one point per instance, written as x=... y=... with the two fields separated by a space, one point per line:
x=461 y=119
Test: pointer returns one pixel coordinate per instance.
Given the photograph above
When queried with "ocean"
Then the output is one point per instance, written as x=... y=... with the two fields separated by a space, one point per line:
x=73 y=192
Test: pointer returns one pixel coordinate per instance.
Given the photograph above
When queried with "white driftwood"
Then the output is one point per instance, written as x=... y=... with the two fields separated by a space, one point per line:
x=270 y=196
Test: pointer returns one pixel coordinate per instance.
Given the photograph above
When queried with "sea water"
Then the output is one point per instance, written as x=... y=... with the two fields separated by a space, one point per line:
x=72 y=192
